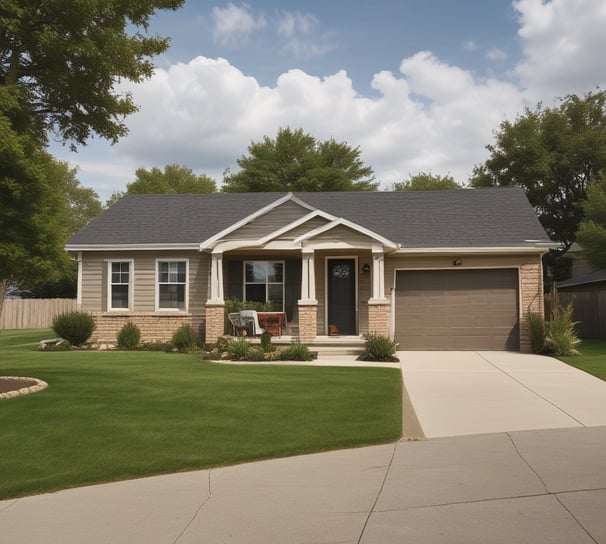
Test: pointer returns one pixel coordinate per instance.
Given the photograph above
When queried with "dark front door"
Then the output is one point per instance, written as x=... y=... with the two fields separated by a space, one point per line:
x=341 y=296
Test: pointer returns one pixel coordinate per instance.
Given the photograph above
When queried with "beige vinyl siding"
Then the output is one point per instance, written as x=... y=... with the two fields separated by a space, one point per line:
x=304 y=228
x=343 y=234
x=94 y=278
x=271 y=221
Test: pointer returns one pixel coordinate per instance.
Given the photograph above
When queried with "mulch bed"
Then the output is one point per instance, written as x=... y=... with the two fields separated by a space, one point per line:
x=13 y=384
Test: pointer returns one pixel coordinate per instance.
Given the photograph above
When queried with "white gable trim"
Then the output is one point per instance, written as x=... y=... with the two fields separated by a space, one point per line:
x=210 y=242
x=349 y=224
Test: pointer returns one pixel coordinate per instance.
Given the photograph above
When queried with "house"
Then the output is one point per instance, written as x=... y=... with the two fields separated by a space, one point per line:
x=454 y=269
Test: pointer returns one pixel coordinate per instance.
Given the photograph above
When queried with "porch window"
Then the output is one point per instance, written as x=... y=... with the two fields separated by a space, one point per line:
x=119 y=285
x=264 y=282
x=172 y=283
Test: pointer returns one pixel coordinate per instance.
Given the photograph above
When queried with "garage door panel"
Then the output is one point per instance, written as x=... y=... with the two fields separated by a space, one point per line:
x=457 y=309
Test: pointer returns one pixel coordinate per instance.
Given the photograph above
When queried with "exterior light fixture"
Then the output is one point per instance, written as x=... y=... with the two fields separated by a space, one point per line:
x=366 y=268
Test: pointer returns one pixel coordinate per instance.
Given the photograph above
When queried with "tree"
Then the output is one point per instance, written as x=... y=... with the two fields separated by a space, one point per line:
x=424 y=181
x=175 y=179
x=62 y=60
x=592 y=230
x=32 y=210
x=553 y=154
x=295 y=161
x=81 y=205
x=59 y=66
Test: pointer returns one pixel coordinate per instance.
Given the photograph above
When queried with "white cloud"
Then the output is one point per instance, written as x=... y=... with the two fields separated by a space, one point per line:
x=470 y=45
x=496 y=54
x=563 y=43
x=431 y=116
x=233 y=25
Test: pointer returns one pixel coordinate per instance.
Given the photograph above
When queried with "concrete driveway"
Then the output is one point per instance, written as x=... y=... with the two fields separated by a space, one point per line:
x=457 y=393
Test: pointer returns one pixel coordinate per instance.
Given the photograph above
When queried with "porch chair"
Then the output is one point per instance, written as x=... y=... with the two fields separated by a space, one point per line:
x=251 y=317
x=237 y=322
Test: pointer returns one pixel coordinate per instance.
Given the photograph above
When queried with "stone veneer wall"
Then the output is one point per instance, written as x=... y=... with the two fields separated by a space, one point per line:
x=531 y=299
x=154 y=327
x=308 y=322
x=378 y=318
x=215 y=322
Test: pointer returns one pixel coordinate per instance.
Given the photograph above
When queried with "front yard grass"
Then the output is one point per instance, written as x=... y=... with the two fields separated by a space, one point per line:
x=109 y=416
x=592 y=358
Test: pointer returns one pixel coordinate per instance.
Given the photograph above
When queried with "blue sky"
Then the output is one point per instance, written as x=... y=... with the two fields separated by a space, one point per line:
x=416 y=85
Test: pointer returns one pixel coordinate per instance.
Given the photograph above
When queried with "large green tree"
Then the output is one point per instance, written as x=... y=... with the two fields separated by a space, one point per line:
x=592 y=230
x=174 y=179
x=60 y=63
x=553 y=154
x=63 y=59
x=32 y=210
x=296 y=161
x=424 y=181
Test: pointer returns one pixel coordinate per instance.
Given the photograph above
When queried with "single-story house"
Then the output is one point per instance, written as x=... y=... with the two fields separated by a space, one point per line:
x=454 y=269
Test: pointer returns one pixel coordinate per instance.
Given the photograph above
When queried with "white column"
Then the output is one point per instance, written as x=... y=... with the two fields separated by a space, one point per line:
x=79 y=287
x=308 y=278
x=216 y=278
x=378 y=275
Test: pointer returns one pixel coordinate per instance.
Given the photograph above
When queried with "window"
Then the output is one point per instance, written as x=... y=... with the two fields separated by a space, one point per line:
x=172 y=281
x=119 y=285
x=264 y=282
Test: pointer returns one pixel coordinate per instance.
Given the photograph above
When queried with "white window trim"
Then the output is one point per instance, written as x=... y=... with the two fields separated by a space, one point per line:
x=157 y=280
x=131 y=284
x=244 y=282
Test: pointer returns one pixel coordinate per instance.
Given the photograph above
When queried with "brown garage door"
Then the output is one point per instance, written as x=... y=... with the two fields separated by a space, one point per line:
x=457 y=309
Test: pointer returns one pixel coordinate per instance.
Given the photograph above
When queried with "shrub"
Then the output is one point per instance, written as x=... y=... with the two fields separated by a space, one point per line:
x=75 y=327
x=538 y=332
x=561 y=336
x=379 y=348
x=184 y=338
x=266 y=344
x=239 y=348
x=255 y=354
x=129 y=336
x=296 y=352
x=222 y=344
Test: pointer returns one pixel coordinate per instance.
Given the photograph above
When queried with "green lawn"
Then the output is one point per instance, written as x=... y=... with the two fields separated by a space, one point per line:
x=115 y=415
x=592 y=358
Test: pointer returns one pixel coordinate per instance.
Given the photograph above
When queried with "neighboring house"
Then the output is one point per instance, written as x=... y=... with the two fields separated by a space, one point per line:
x=434 y=270
x=587 y=294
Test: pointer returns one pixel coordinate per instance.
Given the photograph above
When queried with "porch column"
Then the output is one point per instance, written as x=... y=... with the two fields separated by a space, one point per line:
x=378 y=276
x=308 y=278
x=215 y=305
x=216 y=278
x=308 y=304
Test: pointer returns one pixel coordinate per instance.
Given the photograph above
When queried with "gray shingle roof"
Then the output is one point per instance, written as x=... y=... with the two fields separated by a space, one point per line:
x=455 y=218
x=591 y=277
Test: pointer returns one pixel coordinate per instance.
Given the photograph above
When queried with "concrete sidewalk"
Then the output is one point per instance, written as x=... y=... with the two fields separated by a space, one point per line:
x=523 y=487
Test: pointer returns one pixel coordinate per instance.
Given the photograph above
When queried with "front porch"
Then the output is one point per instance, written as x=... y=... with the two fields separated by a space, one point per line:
x=321 y=297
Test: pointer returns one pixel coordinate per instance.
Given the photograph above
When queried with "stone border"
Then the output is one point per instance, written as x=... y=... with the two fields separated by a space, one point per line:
x=40 y=385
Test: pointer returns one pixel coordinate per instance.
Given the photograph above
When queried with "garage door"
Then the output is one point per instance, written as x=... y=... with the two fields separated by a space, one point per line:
x=457 y=309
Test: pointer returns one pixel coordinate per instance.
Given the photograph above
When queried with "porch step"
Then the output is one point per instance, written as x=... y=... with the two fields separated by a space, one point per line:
x=329 y=345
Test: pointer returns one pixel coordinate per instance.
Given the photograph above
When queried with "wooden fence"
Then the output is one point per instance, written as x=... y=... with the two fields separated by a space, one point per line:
x=589 y=310
x=33 y=313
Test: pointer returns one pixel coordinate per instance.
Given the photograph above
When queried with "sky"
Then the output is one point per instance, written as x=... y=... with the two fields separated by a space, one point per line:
x=416 y=85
